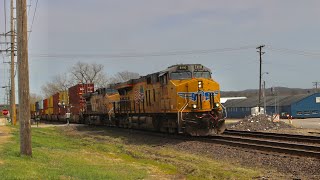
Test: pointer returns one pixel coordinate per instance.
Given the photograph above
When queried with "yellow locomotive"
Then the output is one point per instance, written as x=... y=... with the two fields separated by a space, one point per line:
x=181 y=99
x=99 y=106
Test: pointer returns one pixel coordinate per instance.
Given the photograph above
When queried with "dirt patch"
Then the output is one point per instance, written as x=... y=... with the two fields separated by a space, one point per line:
x=258 y=123
x=4 y=134
x=4 y=137
x=3 y=121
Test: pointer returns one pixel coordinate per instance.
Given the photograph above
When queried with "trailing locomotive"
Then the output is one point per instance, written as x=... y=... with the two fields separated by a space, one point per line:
x=99 y=106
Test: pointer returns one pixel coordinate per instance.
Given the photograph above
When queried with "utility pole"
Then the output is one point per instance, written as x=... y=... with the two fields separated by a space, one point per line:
x=12 y=91
x=316 y=85
x=260 y=53
x=264 y=98
x=23 y=79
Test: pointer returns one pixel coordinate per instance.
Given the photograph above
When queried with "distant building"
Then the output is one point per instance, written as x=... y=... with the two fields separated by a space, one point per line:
x=297 y=106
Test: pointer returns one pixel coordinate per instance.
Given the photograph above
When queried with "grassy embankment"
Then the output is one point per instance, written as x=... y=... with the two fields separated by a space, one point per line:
x=62 y=153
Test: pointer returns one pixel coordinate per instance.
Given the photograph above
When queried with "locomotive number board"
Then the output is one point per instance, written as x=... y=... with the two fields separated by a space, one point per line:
x=198 y=67
x=182 y=67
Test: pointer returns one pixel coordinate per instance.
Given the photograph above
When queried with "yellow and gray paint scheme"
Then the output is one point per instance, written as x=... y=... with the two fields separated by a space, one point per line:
x=183 y=98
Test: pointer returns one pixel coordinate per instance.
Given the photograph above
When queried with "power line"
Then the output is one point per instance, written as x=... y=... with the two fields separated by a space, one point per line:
x=30 y=4
x=293 y=51
x=152 y=54
x=5 y=22
x=34 y=14
x=173 y=53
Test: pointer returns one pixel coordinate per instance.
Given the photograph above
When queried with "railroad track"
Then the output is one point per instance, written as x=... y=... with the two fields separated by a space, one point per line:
x=251 y=143
x=275 y=136
x=267 y=145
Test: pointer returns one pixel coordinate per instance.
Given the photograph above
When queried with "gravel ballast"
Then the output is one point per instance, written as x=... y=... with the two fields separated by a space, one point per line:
x=258 y=123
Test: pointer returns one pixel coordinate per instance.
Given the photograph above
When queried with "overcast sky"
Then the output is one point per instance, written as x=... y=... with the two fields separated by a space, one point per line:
x=108 y=27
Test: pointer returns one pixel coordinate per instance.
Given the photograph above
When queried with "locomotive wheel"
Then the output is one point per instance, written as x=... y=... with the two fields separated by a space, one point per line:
x=156 y=123
x=220 y=128
x=172 y=126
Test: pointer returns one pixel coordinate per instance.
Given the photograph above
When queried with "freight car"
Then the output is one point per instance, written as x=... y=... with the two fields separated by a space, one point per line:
x=55 y=107
x=181 y=99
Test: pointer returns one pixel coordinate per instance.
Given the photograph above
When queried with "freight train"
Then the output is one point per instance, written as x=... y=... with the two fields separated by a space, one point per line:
x=181 y=99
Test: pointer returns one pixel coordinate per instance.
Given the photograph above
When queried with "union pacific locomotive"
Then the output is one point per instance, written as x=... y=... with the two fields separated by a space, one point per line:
x=181 y=99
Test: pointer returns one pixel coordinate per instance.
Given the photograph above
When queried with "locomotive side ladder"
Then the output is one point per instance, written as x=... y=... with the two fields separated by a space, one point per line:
x=181 y=122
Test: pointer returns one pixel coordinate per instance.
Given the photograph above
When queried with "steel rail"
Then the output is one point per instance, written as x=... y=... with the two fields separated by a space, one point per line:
x=303 y=150
x=248 y=143
x=275 y=136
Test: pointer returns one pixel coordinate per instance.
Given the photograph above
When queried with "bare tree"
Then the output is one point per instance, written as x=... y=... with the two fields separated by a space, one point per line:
x=124 y=76
x=35 y=98
x=86 y=73
x=63 y=81
x=49 y=89
x=101 y=81
x=58 y=83
x=79 y=73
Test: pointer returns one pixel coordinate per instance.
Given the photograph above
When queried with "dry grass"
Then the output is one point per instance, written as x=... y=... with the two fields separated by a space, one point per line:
x=4 y=134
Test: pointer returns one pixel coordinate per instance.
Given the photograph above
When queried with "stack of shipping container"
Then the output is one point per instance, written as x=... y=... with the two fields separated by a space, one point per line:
x=72 y=99
x=63 y=99
x=76 y=100
x=45 y=107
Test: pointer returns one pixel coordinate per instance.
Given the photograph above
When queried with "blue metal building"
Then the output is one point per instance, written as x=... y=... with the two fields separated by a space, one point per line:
x=297 y=106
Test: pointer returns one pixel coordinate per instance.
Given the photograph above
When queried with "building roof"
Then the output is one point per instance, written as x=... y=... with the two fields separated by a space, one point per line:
x=270 y=101
x=225 y=99
x=288 y=100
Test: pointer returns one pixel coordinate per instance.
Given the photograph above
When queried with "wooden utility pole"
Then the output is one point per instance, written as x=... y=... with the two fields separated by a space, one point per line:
x=261 y=53
x=12 y=91
x=23 y=79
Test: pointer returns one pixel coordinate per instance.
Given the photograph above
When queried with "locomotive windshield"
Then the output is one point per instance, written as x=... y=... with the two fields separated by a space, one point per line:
x=181 y=75
x=202 y=74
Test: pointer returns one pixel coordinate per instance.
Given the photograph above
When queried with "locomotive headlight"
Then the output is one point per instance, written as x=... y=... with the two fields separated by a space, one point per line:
x=194 y=106
x=200 y=84
x=217 y=105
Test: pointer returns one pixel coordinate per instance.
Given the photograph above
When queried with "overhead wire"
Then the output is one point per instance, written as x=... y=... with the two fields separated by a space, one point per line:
x=5 y=22
x=34 y=15
x=293 y=51
x=136 y=55
x=30 y=4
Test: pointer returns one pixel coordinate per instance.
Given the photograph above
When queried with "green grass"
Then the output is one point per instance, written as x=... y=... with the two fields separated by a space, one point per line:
x=62 y=154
